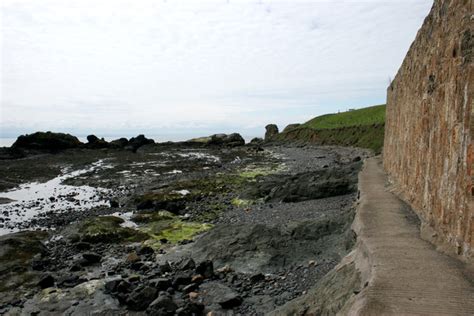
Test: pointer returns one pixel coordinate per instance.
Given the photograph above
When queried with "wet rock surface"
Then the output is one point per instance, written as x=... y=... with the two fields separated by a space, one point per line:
x=186 y=229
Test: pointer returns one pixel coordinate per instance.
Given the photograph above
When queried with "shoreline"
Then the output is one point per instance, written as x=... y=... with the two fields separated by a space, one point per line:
x=219 y=190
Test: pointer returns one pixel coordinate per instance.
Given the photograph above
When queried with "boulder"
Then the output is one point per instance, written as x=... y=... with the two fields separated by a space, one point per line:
x=161 y=284
x=227 y=140
x=47 y=141
x=92 y=257
x=305 y=186
x=271 y=132
x=187 y=264
x=217 y=293
x=46 y=281
x=119 y=143
x=136 y=142
x=205 y=268
x=163 y=305
x=233 y=140
x=94 y=142
x=18 y=252
x=256 y=141
x=141 y=298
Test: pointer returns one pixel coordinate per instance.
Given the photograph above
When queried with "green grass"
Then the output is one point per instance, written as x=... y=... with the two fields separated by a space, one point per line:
x=357 y=128
x=366 y=116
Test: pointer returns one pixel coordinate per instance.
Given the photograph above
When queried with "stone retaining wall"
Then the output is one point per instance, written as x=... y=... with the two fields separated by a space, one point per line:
x=428 y=146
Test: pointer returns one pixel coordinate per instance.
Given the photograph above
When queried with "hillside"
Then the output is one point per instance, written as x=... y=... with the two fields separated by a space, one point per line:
x=366 y=116
x=358 y=128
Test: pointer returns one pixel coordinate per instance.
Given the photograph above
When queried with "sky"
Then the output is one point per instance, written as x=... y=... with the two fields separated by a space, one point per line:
x=195 y=67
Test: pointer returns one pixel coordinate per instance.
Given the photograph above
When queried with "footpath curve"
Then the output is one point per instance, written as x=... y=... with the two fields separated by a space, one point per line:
x=401 y=273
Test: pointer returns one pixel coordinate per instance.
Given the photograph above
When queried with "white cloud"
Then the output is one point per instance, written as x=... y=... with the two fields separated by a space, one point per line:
x=175 y=64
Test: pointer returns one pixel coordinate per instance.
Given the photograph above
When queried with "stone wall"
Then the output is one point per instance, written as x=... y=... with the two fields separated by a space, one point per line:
x=428 y=146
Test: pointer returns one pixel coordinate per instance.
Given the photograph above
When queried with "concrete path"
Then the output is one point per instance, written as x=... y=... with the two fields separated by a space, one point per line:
x=403 y=274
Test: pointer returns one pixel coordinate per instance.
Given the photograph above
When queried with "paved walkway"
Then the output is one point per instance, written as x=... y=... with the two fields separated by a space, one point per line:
x=405 y=274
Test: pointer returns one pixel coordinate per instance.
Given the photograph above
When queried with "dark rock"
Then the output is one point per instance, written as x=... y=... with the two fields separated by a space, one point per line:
x=136 y=142
x=141 y=298
x=206 y=269
x=114 y=203
x=318 y=184
x=46 y=281
x=119 y=143
x=19 y=250
x=92 y=139
x=134 y=278
x=190 y=308
x=163 y=305
x=187 y=264
x=190 y=287
x=182 y=278
x=91 y=257
x=257 y=277
x=146 y=250
x=217 y=293
x=271 y=132
x=137 y=265
x=112 y=286
x=81 y=246
x=123 y=287
x=230 y=300
x=230 y=140
x=39 y=264
x=94 y=142
x=70 y=281
x=165 y=267
x=77 y=266
x=161 y=284
x=47 y=141
x=256 y=141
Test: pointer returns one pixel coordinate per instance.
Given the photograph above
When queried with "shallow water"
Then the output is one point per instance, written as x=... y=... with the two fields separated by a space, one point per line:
x=34 y=198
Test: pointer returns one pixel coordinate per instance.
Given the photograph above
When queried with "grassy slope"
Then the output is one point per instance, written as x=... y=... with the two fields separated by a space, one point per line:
x=359 y=128
x=366 y=116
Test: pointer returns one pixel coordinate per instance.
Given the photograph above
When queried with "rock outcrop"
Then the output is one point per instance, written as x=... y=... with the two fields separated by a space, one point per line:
x=271 y=132
x=95 y=142
x=47 y=141
x=136 y=142
x=429 y=145
x=228 y=140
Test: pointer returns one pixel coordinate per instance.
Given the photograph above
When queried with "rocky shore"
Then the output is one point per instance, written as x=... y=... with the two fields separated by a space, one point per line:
x=206 y=226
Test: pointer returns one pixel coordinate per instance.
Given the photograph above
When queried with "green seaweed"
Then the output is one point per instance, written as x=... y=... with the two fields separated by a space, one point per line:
x=108 y=229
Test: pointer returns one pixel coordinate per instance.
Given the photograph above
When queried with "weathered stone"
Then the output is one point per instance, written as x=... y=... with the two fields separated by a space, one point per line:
x=429 y=147
x=161 y=284
x=271 y=132
x=92 y=257
x=163 y=305
x=141 y=298
x=95 y=142
x=46 y=281
x=47 y=141
x=205 y=268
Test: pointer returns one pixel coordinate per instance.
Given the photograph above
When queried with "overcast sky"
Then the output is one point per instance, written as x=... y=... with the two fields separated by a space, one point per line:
x=194 y=67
